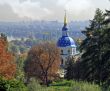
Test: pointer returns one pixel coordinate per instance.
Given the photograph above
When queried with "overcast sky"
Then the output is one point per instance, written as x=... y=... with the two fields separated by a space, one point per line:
x=14 y=10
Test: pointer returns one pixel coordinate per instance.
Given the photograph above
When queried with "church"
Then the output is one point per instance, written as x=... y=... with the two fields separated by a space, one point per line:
x=66 y=44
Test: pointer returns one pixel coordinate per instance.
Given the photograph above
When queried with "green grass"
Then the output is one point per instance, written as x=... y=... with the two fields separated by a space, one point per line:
x=64 y=85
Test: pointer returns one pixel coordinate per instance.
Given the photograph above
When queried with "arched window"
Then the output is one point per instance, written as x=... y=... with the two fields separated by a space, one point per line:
x=62 y=62
x=69 y=51
x=74 y=50
x=61 y=51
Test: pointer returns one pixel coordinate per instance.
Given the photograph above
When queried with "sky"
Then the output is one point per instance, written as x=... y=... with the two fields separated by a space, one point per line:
x=18 y=10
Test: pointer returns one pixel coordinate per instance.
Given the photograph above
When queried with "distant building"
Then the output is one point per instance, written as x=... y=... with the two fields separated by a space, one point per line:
x=67 y=46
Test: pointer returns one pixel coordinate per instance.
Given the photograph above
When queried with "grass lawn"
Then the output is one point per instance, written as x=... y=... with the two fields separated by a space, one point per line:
x=65 y=85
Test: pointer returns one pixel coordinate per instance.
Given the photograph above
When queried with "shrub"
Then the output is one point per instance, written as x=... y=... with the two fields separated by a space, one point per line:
x=33 y=85
x=11 y=85
x=84 y=86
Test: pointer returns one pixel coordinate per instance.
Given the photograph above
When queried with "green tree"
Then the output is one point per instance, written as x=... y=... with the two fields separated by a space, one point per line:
x=69 y=69
x=22 y=49
x=73 y=70
x=13 y=48
x=106 y=48
x=91 y=47
x=11 y=85
x=20 y=69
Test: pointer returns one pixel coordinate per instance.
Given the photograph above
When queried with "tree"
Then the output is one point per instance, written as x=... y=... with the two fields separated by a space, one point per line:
x=106 y=48
x=73 y=70
x=13 y=49
x=7 y=63
x=22 y=49
x=43 y=62
x=92 y=63
x=12 y=85
x=20 y=75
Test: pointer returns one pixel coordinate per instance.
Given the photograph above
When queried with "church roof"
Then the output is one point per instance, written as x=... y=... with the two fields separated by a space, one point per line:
x=65 y=40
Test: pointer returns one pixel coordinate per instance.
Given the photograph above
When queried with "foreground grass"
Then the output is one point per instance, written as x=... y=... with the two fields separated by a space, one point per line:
x=64 y=85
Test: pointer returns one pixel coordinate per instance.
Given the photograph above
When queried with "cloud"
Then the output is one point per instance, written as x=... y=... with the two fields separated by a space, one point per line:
x=74 y=3
x=50 y=9
x=6 y=13
x=82 y=9
x=78 y=5
x=76 y=9
x=27 y=8
x=22 y=1
x=32 y=10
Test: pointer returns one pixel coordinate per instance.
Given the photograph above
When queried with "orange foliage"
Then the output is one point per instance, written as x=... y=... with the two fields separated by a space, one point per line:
x=43 y=61
x=7 y=63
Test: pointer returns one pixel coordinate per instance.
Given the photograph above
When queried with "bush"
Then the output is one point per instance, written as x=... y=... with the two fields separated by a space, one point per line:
x=35 y=86
x=11 y=85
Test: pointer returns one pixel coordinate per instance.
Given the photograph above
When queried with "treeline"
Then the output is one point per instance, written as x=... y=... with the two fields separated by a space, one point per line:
x=17 y=70
x=94 y=64
x=46 y=30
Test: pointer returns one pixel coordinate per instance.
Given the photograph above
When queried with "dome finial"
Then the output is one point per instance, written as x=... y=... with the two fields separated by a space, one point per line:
x=65 y=19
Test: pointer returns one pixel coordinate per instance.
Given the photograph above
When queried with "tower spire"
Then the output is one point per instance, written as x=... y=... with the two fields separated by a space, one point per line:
x=65 y=19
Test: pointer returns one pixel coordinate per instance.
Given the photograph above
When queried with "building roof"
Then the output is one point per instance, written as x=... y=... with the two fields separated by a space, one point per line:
x=65 y=40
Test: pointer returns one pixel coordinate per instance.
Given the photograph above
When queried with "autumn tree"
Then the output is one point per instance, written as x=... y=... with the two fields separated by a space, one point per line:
x=7 y=63
x=43 y=62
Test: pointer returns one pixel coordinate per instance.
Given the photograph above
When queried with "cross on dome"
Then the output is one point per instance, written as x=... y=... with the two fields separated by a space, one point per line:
x=65 y=19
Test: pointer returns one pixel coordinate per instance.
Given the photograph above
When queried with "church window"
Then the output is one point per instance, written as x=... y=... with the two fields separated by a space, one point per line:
x=62 y=61
x=74 y=50
x=61 y=51
x=68 y=51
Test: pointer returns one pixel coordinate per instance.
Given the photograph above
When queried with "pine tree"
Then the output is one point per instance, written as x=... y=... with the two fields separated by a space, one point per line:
x=69 y=70
x=106 y=49
x=92 y=63
x=73 y=70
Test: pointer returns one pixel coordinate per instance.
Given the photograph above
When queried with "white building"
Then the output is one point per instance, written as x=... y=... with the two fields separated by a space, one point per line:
x=66 y=44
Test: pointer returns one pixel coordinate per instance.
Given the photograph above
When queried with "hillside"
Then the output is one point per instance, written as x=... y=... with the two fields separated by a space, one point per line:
x=49 y=30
